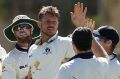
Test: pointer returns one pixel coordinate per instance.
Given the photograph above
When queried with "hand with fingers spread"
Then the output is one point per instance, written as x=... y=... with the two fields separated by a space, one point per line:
x=90 y=23
x=78 y=16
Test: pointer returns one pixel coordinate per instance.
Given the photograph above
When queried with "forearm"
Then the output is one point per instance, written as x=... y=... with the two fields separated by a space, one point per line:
x=98 y=50
x=29 y=76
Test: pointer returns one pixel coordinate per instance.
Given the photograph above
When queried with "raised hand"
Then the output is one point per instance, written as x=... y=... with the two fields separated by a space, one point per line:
x=78 y=16
x=90 y=24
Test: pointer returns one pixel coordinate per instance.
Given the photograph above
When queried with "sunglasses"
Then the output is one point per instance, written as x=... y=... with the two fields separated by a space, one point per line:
x=21 y=27
x=98 y=38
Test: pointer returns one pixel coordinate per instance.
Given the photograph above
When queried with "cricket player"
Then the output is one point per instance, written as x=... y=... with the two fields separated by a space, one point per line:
x=22 y=31
x=108 y=37
x=49 y=51
x=83 y=65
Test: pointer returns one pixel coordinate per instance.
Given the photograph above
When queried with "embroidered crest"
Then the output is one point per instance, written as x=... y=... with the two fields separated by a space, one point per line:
x=37 y=64
x=47 y=51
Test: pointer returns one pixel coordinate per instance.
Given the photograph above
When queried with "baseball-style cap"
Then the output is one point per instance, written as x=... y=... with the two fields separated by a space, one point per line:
x=21 y=19
x=108 y=32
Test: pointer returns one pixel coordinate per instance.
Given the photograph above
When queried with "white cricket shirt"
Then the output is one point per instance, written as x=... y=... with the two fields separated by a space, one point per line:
x=15 y=65
x=2 y=53
x=2 y=56
x=45 y=59
x=79 y=68
x=114 y=68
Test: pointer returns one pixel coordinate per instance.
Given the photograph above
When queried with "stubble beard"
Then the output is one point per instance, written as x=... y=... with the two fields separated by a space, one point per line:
x=25 y=39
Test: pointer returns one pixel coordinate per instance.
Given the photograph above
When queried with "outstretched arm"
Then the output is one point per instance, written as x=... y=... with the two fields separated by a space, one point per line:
x=97 y=49
x=78 y=19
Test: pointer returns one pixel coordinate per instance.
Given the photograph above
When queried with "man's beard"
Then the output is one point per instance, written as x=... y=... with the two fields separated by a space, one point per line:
x=47 y=34
x=24 y=39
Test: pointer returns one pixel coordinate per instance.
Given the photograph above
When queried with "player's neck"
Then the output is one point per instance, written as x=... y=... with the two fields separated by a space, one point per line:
x=44 y=38
x=24 y=44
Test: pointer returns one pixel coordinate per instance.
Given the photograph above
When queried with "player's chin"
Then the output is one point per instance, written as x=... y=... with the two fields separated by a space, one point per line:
x=52 y=33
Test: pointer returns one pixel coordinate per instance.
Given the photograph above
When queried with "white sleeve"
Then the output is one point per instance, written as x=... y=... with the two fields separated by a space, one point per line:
x=70 y=52
x=8 y=70
x=103 y=60
x=63 y=73
x=30 y=54
x=2 y=53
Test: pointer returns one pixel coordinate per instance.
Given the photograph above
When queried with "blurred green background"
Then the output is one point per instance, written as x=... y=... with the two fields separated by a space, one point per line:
x=104 y=12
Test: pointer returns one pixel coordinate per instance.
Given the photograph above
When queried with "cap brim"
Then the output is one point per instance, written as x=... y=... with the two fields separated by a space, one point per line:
x=96 y=33
x=8 y=30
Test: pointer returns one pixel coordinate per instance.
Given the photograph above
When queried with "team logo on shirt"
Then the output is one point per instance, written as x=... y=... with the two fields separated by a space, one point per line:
x=47 y=51
x=37 y=64
x=21 y=67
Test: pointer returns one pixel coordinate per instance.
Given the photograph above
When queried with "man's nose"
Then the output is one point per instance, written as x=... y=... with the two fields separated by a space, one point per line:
x=21 y=29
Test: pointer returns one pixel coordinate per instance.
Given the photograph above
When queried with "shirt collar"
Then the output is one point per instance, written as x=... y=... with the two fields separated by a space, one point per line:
x=53 y=37
x=21 y=49
x=86 y=55
x=112 y=56
x=38 y=42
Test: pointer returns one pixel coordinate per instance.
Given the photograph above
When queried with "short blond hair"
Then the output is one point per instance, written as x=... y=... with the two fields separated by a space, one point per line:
x=48 y=10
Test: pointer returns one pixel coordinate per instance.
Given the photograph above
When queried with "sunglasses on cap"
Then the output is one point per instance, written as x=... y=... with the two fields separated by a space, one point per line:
x=98 y=38
x=23 y=26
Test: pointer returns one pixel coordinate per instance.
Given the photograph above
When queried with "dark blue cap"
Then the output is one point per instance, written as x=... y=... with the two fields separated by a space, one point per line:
x=108 y=32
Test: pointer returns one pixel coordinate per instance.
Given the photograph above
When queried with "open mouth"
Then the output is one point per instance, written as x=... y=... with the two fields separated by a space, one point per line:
x=50 y=28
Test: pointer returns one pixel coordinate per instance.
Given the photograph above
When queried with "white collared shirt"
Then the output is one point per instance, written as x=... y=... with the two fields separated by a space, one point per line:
x=2 y=53
x=45 y=59
x=93 y=68
x=114 y=68
x=2 y=56
x=15 y=65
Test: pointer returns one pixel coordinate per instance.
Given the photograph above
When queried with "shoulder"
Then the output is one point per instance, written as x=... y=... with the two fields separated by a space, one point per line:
x=67 y=65
x=64 y=71
x=11 y=56
x=32 y=48
x=2 y=49
x=64 y=67
x=64 y=38
x=101 y=62
x=2 y=53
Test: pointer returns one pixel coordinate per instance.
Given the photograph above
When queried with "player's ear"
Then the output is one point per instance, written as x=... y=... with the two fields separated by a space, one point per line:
x=109 y=42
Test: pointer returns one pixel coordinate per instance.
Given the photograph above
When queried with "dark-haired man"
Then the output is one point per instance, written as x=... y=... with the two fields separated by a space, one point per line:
x=108 y=37
x=83 y=65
